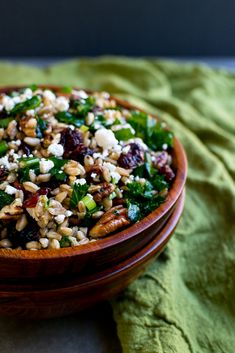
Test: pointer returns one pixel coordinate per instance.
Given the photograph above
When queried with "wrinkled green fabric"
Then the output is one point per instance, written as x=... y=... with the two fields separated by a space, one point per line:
x=185 y=301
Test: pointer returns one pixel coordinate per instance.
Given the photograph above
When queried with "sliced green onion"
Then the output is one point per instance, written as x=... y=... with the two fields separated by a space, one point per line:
x=31 y=103
x=5 y=122
x=124 y=134
x=3 y=147
x=30 y=162
x=89 y=202
x=84 y=128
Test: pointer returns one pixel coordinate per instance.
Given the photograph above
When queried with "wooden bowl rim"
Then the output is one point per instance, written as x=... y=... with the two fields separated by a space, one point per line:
x=173 y=195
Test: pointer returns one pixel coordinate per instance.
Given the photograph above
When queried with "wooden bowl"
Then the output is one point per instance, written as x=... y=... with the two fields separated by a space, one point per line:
x=41 y=264
x=62 y=296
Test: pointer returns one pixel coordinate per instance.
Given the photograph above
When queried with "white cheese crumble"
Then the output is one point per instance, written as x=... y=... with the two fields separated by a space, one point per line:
x=81 y=94
x=61 y=104
x=105 y=138
x=49 y=95
x=60 y=218
x=8 y=165
x=164 y=146
x=45 y=166
x=56 y=149
x=8 y=103
x=68 y=213
x=81 y=181
x=10 y=190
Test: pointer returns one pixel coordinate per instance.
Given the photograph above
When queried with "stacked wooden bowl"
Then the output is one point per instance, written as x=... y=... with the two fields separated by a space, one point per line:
x=47 y=283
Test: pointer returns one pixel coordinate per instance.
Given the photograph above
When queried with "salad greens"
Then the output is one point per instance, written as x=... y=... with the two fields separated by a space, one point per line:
x=151 y=131
x=31 y=103
x=79 y=191
x=5 y=199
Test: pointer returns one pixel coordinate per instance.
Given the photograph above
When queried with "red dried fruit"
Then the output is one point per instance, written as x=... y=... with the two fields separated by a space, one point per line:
x=73 y=145
x=160 y=160
x=132 y=158
x=70 y=139
x=167 y=172
x=32 y=200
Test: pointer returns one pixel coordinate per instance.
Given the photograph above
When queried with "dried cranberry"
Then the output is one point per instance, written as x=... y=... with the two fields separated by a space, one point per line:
x=167 y=172
x=73 y=145
x=3 y=173
x=70 y=139
x=29 y=233
x=132 y=158
x=161 y=160
x=80 y=152
x=17 y=185
x=32 y=200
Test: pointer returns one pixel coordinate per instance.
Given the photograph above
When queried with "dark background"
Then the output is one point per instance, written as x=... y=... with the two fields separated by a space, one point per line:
x=134 y=27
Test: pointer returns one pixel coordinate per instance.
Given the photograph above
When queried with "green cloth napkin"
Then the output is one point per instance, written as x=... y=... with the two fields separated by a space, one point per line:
x=185 y=301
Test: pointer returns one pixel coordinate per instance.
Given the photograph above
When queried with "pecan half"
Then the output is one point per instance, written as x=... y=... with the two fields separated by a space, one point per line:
x=12 y=211
x=111 y=221
x=105 y=190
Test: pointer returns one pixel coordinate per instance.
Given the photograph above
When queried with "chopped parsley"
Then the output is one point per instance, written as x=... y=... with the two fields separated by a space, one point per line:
x=79 y=191
x=5 y=199
x=151 y=131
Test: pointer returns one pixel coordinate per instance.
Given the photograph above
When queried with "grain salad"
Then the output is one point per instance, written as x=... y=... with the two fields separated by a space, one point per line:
x=76 y=167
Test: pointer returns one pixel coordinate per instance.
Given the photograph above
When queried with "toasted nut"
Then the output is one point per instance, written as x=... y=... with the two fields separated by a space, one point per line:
x=105 y=190
x=112 y=220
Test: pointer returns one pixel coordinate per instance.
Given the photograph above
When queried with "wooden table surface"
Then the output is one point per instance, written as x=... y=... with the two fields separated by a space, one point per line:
x=93 y=331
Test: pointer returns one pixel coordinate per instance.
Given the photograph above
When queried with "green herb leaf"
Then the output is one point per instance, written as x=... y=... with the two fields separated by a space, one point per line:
x=70 y=119
x=65 y=242
x=56 y=171
x=123 y=134
x=41 y=127
x=5 y=199
x=5 y=122
x=3 y=147
x=79 y=191
x=151 y=131
x=33 y=87
x=143 y=197
x=31 y=103
x=84 y=106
